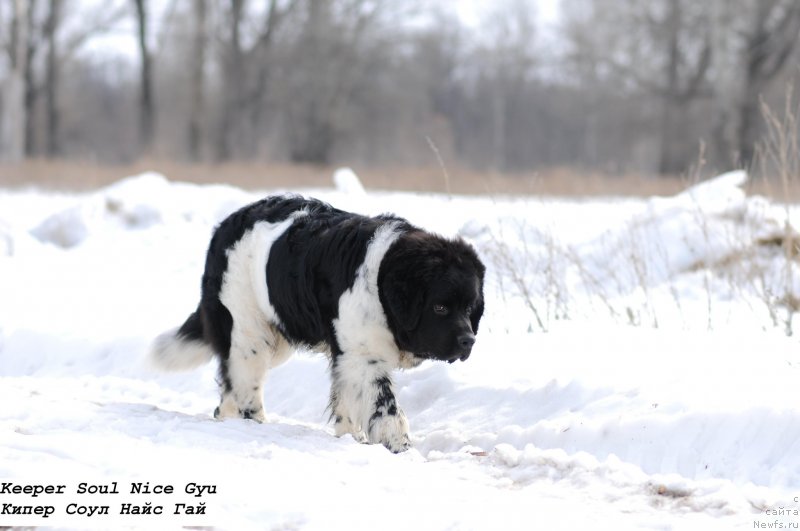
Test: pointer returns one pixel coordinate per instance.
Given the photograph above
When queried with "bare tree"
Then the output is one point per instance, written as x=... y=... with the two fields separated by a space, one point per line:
x=261 y=59
x=753 y=43
x=681 y=86
x=14 y=109
x=772 y=35
x=61 y=48
x=662 y=48
x=146 y=106
x=233 y=71
x=311 y=130
x=53 y=117
x=247 y=64
x=509 y=60
x=31 y=44
x=331 y=57
x=197 y=89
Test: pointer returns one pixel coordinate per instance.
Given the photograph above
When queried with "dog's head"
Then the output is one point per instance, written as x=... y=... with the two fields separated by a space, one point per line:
x=431 y=289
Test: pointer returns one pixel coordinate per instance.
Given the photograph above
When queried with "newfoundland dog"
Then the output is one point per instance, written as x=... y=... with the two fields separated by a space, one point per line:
x=375 y=293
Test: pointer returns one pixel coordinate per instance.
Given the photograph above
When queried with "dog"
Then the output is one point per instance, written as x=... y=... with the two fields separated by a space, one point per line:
x=374 y=293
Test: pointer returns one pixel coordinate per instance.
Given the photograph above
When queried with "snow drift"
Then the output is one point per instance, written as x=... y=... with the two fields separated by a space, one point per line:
x=691 y=423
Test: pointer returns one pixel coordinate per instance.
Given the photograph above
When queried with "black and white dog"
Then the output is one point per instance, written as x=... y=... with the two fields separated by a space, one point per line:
x=376 y=293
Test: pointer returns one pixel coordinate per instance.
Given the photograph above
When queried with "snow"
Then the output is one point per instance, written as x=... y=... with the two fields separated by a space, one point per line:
x=653 y=387
x=347 y=182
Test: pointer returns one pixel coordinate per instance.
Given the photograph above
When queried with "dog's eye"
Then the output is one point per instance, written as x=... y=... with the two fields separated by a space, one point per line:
x=440 y=309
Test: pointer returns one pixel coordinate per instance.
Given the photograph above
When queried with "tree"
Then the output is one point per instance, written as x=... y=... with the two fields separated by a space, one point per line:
x=53 y=117
x=660 y=48
x=31 y=45
x=320 y=56
x=146 y=106
x=508 y=60
x=246 y=76
x=684 y=79
x=263 y=63
x=773 y=32
x=233 y=68
x=197 y=89
x=14 y=109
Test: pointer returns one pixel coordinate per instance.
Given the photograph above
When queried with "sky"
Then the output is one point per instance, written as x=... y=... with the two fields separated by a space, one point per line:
x=121 y=41
x=471 y=11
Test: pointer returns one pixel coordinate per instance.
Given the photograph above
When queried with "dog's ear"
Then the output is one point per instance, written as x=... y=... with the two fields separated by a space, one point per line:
x=402 y=297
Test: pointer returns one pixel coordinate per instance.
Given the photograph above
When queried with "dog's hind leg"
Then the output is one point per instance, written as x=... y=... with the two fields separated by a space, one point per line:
x=256 y=345
x=253 y=352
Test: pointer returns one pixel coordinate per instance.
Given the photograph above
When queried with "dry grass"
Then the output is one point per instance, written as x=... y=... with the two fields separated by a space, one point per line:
x=67 y=175
x=71 y=175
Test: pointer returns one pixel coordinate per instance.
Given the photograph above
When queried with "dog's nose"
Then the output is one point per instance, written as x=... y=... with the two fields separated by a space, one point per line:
x=465 y=341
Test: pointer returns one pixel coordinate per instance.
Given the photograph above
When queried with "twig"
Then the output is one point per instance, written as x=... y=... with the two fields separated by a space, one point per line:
x=441 y=165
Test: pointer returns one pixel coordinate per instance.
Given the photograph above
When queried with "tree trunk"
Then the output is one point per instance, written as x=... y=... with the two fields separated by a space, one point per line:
x=53 y=145
x=234 y=72
x=14 y=119
x=262 y=54
x=30 y=85
x=724 y=17
x=767 y=48
x=197 y=106
x=146 y=108
x=748 y=124
x=311 y=134
x=670 y=153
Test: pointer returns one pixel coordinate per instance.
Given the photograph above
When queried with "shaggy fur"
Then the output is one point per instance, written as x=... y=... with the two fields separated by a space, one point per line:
x=376 y=293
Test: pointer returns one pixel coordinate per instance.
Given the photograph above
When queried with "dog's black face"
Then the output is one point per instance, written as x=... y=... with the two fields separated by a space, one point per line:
x=449 y=319
x=433 y=297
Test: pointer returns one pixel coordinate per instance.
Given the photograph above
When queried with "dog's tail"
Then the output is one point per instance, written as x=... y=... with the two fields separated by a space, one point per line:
x=182 y=348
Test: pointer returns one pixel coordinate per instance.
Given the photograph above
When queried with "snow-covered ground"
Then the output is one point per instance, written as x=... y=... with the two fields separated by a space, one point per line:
x=632 y=371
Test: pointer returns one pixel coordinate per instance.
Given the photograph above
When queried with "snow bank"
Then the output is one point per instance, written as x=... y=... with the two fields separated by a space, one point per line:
x=347 y=182
x=648 y=255
x=593 y=424
x=137 y=203
x=706 y=225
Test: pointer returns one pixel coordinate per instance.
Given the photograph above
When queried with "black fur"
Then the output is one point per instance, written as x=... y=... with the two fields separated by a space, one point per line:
x=312 y=264
x=421 y=271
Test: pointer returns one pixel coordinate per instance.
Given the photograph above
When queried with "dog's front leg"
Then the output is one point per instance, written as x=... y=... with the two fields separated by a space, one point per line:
x=387 y=422
x=363 y=402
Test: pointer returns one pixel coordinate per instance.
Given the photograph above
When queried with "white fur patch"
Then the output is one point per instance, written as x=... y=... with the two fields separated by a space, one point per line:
x=244 y=288
x=256 y=244
x=256 y=344
x=361 y=327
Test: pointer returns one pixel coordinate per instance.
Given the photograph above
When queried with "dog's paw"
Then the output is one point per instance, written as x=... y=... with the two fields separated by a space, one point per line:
x=228 y=410
x=390 y=431
x=253 y=414
x=398 y=444
x=344 y=426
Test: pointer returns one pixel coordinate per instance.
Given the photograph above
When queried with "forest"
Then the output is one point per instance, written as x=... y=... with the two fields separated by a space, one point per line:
x=641 y=87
